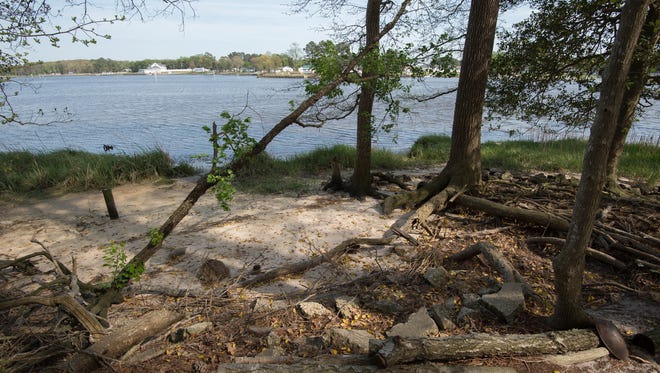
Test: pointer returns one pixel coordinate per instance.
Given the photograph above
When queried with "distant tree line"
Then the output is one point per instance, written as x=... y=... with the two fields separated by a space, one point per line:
x=295 y=57
x=234 y=61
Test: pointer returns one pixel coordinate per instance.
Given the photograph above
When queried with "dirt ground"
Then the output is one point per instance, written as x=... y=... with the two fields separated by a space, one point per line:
x=261 y=233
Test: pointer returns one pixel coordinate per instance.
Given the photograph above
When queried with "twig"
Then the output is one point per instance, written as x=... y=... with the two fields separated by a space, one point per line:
x=50 y=257
x=405 y=235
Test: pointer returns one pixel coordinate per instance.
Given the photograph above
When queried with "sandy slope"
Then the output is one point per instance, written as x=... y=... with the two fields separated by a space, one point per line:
x=265 y=230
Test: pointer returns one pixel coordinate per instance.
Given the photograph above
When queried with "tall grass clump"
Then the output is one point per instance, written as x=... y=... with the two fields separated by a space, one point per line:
x=66 y=170
x=431 y=149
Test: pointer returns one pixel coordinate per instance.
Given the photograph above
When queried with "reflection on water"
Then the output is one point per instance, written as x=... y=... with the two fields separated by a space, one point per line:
x=134 y=113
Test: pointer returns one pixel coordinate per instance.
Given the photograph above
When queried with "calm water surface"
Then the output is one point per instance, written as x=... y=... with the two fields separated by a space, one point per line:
x=135 y=113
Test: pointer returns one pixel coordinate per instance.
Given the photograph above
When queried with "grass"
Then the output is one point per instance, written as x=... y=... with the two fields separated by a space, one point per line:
x=25 y=173
x=70 y=170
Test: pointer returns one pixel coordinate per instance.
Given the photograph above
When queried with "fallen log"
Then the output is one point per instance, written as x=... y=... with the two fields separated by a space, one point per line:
x=115 y=344
x=399 y=350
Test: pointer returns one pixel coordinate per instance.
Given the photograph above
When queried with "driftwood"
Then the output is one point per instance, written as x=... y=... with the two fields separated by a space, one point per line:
x=592 y=253
x=399 y=350
x=302 y=266
x=89 y=321
x=497 y=260
x=115 y=344
x=641 y=247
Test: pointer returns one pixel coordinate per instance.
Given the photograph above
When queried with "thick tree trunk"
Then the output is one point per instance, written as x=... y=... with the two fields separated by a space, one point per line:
x=403 y=350
x=639 y=72
x=569 y=264
x=464 y=165
x=361 y=179
x=465 y=154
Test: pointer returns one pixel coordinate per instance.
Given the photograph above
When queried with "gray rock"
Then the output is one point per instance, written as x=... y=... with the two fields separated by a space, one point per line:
x=309 y=345
x=199 y=328
x=419 y=324
x=437 y=277
x=507 y=302
x=465 y=313
x=356 y=340
x=313 y=309
x=347 y=307
x=459 y=286
x=267 y=304
x=389 y=307
x=442 y=317
x=470 y=300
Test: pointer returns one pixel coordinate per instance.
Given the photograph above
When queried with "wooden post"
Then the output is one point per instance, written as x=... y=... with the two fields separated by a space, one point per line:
x=110 y=203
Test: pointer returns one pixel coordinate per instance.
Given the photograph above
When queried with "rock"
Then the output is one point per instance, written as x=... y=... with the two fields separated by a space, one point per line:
x=419 y=324
x=309 y=345
x=212 y=272
x=507 y=302
x=442 y=317
x=465 y=313
x=470 y=300
x=355 y=340
x=267 y=304
x=459 y=286
x=437 y=277
x=388 y=307
x=199 y=328
x=259 y=331
x=182 y=334
x=347 y=307
x=312 y=309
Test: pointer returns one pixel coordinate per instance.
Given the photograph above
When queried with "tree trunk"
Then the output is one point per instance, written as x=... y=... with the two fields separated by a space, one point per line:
x=361 y=179
x=639 y=70
x=569 y=264
x=464 y=164
x=465 y=155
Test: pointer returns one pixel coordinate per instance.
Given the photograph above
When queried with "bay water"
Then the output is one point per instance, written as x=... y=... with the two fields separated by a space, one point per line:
x=133 y=113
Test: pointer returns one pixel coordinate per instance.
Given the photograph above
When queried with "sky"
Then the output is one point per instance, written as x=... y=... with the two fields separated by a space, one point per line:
x=218 y=27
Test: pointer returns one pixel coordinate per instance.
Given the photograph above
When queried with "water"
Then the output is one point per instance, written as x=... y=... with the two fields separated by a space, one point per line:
x=134 y=113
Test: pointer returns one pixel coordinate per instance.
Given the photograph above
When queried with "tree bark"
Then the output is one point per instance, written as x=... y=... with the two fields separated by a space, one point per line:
x=464 y=165
x=361 y=179
x=465 y=153
x=399 y=350
x=569 y=264
x=639 y=72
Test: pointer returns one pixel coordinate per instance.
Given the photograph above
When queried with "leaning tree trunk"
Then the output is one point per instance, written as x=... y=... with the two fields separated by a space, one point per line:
x=361 y=179
x=639 y=70
x=464 y=165
x=569 y=264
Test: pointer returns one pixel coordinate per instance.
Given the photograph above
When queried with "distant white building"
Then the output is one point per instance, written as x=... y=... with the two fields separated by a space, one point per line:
x=200 y=70
x=287 y=69
x=154 y=68
x=306 y=69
